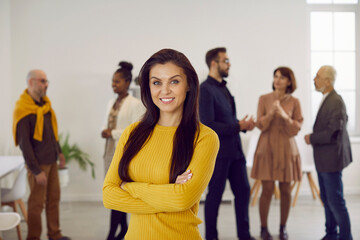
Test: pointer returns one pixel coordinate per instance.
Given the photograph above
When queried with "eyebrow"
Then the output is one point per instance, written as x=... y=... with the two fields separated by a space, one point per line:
x=177 y=75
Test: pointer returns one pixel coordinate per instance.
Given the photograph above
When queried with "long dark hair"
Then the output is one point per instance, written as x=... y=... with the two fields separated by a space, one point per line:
x=187 y=131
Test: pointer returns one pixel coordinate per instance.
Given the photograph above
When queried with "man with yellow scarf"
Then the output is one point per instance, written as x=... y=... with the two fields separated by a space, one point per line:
x=35 y=131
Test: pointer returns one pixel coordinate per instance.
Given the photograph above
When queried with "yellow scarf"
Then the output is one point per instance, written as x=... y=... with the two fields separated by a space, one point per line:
x=25 y=106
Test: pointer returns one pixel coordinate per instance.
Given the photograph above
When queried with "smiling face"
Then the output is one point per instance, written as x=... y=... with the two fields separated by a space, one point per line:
x=281 y=82
x=168 y=87
x=119 y=84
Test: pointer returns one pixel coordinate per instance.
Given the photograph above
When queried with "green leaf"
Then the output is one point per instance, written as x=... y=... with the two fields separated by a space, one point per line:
x=74 y=153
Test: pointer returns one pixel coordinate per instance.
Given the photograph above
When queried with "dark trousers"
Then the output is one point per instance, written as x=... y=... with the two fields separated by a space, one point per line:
x=117 y=219
x=235 y=171
x=336 y=213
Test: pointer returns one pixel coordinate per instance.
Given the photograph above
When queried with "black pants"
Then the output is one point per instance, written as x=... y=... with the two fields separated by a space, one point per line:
x=235 y=171
x=117 y=219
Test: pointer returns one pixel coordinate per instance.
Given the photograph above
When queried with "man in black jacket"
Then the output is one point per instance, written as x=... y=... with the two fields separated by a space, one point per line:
x=332 y=153
x=218 y=111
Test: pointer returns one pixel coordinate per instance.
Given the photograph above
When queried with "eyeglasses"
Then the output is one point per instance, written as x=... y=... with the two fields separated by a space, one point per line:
x=226 y=61
x=43 y=80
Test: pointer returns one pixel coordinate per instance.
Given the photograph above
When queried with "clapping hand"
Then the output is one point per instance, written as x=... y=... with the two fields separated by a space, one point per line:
x=279 y=110
x=307 y=139
x=247 y=125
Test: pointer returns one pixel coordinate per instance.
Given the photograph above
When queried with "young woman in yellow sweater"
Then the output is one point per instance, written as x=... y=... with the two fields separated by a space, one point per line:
x=163 y=163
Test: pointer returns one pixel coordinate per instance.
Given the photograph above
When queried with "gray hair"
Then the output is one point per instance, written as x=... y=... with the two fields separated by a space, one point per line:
x=330 y=73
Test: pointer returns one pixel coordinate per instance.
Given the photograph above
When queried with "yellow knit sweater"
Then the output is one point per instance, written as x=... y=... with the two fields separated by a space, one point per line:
x=160 y=210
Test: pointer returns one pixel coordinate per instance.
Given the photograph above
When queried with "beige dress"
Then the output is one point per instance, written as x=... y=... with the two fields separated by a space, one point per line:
x=277 y=156
x=110 y=142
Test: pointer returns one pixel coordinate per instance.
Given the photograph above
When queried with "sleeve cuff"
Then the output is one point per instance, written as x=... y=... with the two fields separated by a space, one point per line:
x=36 y=171
x=237 y=127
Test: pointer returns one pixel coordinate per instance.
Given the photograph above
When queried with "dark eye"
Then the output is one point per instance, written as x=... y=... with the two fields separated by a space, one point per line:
x=175 y=81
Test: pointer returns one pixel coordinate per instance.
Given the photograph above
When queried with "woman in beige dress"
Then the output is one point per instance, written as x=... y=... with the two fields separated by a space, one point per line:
x=277 y=157
x=121 y=112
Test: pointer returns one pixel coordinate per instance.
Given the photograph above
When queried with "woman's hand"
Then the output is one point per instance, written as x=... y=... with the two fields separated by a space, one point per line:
x=274 y=107
x=280 y=111
x=183 y=178
x=106 y=133
x=122 y=185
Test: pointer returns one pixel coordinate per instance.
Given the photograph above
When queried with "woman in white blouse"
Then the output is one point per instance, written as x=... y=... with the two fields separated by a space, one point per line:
x=121 y=112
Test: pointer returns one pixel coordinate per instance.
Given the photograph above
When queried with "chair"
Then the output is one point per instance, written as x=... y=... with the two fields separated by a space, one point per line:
x=307 y=159
x=12 y=197
x=9 y=220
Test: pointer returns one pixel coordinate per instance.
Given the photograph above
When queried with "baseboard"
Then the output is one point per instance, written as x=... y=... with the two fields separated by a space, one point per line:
x=81 y=198
x=226 y=197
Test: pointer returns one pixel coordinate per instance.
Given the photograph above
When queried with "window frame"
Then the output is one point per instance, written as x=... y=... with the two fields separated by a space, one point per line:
x=339 y=8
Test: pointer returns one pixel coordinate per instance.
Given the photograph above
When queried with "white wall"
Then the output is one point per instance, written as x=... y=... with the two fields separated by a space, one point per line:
x=5 y=79
x=79 y=43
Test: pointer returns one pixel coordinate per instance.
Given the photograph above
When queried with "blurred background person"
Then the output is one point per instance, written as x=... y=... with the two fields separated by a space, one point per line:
x=277 y=157
x=163 y=163
x=121 y=112
x=332 y=153
x=35 y=130
x=218 y=111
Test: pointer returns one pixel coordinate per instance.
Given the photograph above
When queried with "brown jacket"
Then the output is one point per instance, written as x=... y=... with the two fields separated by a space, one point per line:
x=35 y=152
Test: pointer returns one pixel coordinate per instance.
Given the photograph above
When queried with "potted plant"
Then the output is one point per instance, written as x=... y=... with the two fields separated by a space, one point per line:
x=72 y=152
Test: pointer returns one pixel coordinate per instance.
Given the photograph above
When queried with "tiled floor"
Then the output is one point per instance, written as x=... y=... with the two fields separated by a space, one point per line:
x=90 y=220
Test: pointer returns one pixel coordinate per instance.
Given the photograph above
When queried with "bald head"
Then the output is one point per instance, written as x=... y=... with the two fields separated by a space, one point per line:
x=37 y=84
x=329 y=72
x=35 y=73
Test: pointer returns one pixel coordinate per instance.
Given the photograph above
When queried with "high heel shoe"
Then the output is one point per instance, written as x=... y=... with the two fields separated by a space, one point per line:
x=265 y=235
x=283 y=233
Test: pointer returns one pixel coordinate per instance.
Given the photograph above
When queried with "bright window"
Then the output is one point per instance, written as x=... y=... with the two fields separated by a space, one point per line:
x=333 y=42
x=332 y=1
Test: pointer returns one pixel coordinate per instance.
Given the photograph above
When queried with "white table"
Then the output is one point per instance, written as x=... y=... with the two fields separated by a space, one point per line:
x=9 y=164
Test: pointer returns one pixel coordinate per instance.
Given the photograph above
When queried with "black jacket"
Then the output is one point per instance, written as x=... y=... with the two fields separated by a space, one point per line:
x=218 y=111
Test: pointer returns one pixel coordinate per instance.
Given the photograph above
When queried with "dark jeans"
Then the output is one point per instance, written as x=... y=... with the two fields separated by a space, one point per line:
x=117 y=219
x=336 y=214
x=235 y=171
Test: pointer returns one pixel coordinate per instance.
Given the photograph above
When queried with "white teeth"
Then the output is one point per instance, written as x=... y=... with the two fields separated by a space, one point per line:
x=166 y=99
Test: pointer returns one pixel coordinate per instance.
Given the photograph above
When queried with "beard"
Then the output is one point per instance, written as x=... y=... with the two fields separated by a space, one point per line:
x=322 y=89
x=223 y=73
